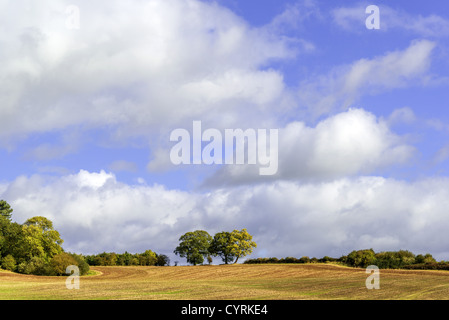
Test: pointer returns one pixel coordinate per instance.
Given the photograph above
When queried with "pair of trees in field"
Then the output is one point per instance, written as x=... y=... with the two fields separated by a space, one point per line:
x=197 y=245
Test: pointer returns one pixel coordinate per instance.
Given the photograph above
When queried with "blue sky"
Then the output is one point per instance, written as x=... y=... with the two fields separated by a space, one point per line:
x=89 y=98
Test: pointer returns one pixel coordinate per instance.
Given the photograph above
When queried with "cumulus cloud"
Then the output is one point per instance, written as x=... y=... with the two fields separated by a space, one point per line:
x=347 y=144
x=95 y=212
x=149 y=64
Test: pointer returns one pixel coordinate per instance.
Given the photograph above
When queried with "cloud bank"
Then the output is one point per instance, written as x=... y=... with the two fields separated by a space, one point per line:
x=94 y=213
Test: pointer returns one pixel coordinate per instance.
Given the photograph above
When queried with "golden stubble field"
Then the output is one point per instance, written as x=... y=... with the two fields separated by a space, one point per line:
x=223 y=282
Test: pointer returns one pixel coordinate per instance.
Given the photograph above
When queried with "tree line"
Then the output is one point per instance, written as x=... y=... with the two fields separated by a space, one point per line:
x=147 y=258
x=402 y=259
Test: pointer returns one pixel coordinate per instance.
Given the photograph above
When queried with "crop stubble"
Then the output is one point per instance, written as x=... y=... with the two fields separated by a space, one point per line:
x=220 y=282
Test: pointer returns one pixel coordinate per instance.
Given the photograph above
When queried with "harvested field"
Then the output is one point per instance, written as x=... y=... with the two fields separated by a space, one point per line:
x=260 y=282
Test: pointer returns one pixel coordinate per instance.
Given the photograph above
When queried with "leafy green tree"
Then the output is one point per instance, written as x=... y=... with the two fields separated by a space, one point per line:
x=39 y=239
x=304 y=259
x=124 y=259
x=134 y=261
x=194 y=246
x=9 y=263
x=35 y=265
x=110 y=259
x=60 y=262
x=11 y=233
x=5 y=209
x=83 y=266
x=394 y=259
x=30 y=244
x=289 y=260
x=162 y=260
x=222 y=246
x=94 y=260
x=148 y=258
x=427 y=258
x=104 y=259
x=405 y=257
x=242 y=244
x=29 y=247
x=419 y=258
x=325 y=259
x=50 y=238
x=361 y=258
x=5 y=224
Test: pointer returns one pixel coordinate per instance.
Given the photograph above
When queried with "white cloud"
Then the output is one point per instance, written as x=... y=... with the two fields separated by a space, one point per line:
x=347 y=144
x=95 y=212
x=350 y=143
x=160 y=161
x=344 y=85
x=131 y=67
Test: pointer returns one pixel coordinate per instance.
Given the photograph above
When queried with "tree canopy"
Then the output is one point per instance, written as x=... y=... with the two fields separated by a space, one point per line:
x=221 y=246
x=40 y=239
x=197 y=245
x=5 y=209
x=194 y=246
x=242 y=243
x=33 y=247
